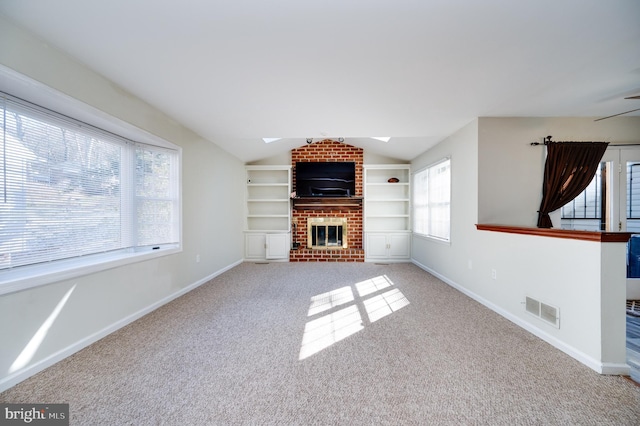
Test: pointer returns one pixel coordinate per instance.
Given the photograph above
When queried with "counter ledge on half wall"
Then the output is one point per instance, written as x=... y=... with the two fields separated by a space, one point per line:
x=603 y=237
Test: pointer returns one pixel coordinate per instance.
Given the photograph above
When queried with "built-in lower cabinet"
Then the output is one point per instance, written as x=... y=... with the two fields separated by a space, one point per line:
x=263 y=246
x=387 y=246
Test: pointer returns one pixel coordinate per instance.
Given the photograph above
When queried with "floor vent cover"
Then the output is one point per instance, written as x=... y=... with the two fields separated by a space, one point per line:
x=548 y=313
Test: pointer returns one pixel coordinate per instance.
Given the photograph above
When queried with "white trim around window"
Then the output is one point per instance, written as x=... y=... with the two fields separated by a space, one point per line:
x=431 y=201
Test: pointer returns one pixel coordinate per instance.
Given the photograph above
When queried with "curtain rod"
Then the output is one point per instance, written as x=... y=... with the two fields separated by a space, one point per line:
x=548 y=139
x=545 y=142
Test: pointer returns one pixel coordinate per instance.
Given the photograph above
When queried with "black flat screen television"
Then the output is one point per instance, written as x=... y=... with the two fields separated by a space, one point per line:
x=325 y=179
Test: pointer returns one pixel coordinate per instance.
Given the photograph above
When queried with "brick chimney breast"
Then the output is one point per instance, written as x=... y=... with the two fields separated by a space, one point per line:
x=328 y=150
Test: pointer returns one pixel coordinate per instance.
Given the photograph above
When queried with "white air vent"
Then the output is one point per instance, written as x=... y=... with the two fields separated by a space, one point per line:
x=533 y=306
x=545 y=312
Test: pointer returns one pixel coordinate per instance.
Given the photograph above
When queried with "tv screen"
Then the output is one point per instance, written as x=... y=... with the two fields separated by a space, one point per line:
x=326 y=179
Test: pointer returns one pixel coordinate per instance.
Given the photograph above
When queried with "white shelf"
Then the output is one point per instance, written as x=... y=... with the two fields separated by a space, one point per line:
x=388 y=215
x=379 y=174
x=267 y=199
x=387 y=183
x=386 y=204
x=387 y=224
x=392 y=200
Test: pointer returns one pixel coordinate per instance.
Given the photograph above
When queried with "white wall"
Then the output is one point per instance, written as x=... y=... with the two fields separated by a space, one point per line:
x=374 y=158
x=497 y=178
x=462 y=148
x=212 y=194
x=283 y=159
x=369 y=158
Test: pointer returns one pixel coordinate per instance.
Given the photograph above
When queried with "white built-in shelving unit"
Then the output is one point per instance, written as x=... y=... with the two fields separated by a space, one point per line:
x=268 y=212
x=387 y=220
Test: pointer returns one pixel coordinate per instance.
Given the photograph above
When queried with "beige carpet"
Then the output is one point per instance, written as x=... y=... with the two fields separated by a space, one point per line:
x=328 y=344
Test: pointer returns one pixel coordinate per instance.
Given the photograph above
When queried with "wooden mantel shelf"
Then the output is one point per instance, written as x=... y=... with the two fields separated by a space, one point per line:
x=327 y=203
x=603 y=237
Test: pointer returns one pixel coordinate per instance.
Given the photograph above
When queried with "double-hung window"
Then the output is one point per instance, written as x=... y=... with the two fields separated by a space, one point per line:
x=72 y=194
x=432 y=200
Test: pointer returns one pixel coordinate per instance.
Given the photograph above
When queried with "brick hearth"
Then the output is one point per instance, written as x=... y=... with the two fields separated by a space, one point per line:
x=329 y=150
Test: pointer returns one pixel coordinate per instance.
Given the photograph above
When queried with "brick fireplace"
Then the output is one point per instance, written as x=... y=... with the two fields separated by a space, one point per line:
x=345 y=208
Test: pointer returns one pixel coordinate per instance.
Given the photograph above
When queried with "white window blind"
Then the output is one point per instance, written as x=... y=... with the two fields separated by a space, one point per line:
x=432 y=200
x=68 y=189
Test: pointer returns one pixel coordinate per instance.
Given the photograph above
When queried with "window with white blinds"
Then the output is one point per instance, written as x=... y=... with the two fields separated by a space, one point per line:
x=432 y=200
x=69 y=190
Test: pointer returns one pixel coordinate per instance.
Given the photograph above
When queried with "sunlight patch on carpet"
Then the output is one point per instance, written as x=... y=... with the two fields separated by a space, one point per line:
x=385 y=304
x=373 y=285
x=324 y=302
x=374 y=300
x=323 y=332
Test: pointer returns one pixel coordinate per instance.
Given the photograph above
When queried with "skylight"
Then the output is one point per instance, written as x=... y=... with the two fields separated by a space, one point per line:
x=382 y=138
x=269 y=140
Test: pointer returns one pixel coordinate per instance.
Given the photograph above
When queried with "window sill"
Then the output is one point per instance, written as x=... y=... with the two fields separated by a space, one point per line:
x=431 y=238
x=26 y=277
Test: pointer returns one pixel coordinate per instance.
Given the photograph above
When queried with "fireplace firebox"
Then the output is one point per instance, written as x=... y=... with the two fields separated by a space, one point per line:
x=327 y=233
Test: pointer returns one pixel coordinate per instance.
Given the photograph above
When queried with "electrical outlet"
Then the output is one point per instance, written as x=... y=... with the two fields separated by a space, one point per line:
x=197 y=258
x=470 y=264
x=494 y=274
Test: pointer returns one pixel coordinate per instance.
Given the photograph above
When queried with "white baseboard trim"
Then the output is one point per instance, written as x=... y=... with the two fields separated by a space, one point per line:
x=612 y=369
x=23 y=374
x=598 y=366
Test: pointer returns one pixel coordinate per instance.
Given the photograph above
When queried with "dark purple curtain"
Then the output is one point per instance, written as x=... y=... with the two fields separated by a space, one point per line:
x=569 y=169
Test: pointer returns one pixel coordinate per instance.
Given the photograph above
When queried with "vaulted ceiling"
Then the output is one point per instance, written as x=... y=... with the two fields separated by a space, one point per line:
x=413 y=70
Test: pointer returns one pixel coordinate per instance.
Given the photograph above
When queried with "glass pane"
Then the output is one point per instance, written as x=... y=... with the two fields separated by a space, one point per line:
x=156 y=203
x=633 y=189
x=332 y=235
x=585 y=211
x=322 y=235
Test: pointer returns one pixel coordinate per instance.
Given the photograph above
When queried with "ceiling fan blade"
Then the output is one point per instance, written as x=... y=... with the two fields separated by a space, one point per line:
x=634 y=97
x=615 y=115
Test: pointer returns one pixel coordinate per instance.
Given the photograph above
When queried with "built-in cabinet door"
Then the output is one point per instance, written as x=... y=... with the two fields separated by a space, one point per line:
x=376 y=246
x=277 y=246
x=255 y=246
x=399 y=246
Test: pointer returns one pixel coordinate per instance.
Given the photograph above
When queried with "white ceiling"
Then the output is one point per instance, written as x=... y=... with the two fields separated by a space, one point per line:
x=415 y=70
